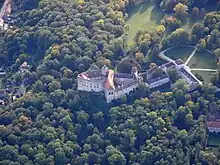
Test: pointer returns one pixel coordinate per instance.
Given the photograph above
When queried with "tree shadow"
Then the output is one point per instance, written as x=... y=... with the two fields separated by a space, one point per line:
x=138 y=9
x=132 y=10
x=144 y=7
x=156 y=15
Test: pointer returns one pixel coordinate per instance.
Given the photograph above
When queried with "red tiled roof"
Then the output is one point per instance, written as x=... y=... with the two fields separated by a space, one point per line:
x=83 y=76
x=134 y=69
x=24 y=65
x=109 y=82
x=8 y=9
x=215 y=124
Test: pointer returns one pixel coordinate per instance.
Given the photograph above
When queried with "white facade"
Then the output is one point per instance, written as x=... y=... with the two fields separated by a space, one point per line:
x=5 y=27
x=188 y=80
x=124 y=79
x=185 y=78
x=159 y=83
x=92 y=85
x=113 y=95
x=214 y=129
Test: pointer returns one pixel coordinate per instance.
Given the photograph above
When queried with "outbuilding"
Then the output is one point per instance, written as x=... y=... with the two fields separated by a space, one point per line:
x=214 y=126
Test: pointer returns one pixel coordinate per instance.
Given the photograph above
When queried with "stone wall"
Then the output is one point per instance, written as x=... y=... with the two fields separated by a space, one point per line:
x=118 y=93
x=91 y=85
x=158 y=83
x=214 y=130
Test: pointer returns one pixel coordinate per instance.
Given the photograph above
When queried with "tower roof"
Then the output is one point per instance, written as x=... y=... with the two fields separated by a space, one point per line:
x=134 y=70
x=214 y=124
x=109 y=82
x=24 y=65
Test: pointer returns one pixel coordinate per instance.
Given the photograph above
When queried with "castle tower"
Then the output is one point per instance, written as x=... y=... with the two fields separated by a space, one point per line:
x=104 y=70
x=134 y=71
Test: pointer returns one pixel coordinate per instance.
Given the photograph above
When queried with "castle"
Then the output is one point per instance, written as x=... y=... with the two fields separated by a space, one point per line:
x=6 y=20
x=115 y=85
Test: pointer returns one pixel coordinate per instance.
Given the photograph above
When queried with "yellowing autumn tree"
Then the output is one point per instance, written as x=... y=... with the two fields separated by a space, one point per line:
x=181 y=11
x=160 y=30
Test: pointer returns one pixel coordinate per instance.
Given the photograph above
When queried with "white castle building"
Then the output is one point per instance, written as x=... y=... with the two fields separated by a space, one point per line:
x=214 y=126
x=115 y=85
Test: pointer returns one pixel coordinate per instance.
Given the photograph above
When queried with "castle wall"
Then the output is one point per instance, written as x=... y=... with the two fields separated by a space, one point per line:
x=158 y=83
x=213 y=129
x=189 y=79
x=116 y=94
x=193 y=86
x=123 y=83
x=185 y=78
x=96 y=85
x=124 y=79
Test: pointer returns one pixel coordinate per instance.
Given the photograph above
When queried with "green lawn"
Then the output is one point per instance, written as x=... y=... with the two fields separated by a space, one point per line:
x=206 y=75
x=203 y=60
x=145 y=17
x=179 y=53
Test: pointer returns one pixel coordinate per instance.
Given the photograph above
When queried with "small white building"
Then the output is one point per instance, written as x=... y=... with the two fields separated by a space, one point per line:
x=214 y=126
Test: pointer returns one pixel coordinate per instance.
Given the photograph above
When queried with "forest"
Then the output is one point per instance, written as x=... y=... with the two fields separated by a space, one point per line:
x=54 y=123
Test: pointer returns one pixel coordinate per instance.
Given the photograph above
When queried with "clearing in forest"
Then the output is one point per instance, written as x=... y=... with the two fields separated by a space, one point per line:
x=145 y=17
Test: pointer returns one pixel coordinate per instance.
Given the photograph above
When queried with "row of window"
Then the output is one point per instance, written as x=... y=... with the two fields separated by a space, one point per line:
x=126 y=90
x=98 y=78
x=91 y=86
x=159 y=83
